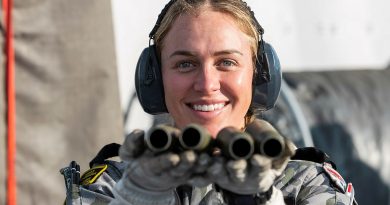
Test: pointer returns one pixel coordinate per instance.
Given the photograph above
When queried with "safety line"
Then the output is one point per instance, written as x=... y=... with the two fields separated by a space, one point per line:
x=10 y=81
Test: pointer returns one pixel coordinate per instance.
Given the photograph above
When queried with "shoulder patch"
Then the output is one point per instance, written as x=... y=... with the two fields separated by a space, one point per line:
x=351 y=193
x=335 y=177
x=90 y=176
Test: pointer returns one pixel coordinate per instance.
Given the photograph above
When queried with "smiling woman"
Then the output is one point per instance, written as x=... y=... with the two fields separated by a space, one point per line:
x=207 y=63
x=209 y=66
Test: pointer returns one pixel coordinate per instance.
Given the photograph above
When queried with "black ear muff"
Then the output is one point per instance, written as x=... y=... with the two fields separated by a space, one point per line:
x=268 y=78
x=148 y=82
x=148 y=78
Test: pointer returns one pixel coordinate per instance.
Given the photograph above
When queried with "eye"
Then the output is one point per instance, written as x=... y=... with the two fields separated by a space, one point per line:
x=185 y=66
x=227 y=64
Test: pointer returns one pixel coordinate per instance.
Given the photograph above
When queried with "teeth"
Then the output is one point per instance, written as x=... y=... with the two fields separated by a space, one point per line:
x=208 y=108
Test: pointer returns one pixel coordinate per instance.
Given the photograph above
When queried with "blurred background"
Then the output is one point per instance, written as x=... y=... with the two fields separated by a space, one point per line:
x=74 y=87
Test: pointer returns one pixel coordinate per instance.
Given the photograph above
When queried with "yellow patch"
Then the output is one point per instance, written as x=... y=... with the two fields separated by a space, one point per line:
x=90 y=176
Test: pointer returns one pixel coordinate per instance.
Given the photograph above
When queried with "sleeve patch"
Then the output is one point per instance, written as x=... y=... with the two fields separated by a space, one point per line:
x=90 y=176
x=335 y=177
x=350 y=192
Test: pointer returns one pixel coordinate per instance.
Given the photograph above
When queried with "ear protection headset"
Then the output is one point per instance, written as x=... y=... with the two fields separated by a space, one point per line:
x=149 y=83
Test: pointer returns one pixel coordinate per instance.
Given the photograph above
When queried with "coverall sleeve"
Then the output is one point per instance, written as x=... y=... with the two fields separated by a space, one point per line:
x=310 y=183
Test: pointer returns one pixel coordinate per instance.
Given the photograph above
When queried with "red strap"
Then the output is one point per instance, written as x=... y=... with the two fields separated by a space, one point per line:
x=10 y=79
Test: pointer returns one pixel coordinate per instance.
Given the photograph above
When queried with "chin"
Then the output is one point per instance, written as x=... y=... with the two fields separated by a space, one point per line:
x=213 y=130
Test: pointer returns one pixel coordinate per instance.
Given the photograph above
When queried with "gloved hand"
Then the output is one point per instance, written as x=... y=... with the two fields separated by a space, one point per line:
x=150 y=178
x=256 y=175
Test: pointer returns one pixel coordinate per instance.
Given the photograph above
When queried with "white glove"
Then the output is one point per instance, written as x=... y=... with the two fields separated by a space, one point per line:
x=257 y=175
x=150 y=178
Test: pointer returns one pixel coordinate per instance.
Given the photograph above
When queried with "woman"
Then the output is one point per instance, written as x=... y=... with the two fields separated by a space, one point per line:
x=207 y=52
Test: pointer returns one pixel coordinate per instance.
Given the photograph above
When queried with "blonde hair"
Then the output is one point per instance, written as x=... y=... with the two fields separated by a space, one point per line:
x=238 y=9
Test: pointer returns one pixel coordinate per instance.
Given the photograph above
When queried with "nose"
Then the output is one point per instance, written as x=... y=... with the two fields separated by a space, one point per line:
x=207 y=80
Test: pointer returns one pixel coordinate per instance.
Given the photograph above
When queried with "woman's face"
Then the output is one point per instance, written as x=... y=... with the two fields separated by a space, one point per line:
x=207 y=71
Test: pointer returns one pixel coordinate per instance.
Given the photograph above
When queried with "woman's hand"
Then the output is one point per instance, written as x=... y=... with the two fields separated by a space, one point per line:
x=150 y=178
x=252 y=176
x=153 y=172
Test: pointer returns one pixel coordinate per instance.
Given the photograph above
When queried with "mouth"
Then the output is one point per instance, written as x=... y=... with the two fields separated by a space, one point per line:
x=207 y=107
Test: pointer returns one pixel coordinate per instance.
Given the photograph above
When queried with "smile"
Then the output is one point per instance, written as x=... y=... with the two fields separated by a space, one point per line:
x=208 y=108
